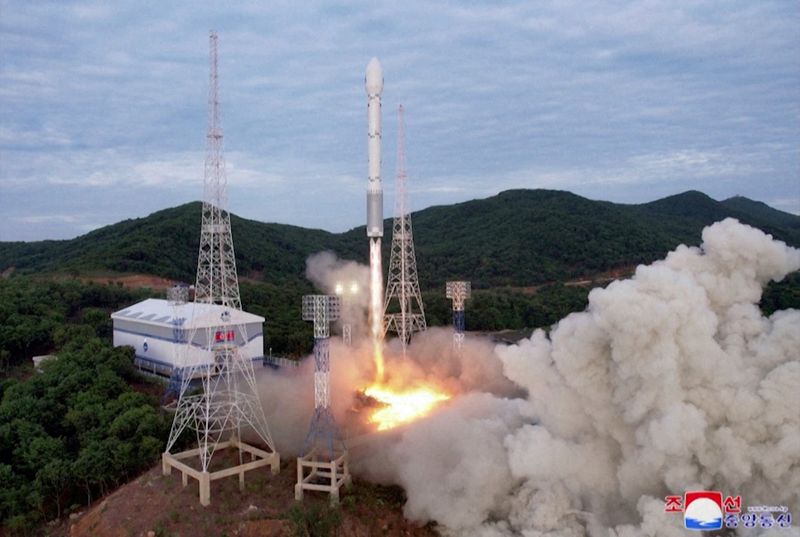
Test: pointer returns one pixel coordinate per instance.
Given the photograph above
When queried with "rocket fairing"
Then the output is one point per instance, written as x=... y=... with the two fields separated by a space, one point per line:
x=374 y=86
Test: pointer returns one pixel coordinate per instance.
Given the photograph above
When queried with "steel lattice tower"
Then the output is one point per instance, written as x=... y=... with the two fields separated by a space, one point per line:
x=458 y=292
x=325 y=454
x=228 y=401
x=402 y=287
x=217 y=282
x=322 y=310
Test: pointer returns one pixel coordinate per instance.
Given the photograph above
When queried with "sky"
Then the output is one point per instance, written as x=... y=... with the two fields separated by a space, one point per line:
x=103 y=105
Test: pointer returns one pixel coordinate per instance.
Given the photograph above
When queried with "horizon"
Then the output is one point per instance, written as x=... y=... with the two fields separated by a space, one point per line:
x=103 y=108
x=386 y=218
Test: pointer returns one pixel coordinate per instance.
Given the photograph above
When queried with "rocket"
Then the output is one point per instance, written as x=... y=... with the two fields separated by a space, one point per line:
x=374 y=85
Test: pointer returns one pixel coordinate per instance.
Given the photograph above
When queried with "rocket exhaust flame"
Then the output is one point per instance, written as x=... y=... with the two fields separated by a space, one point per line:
x=402 y=407
x=397 y=407
x=376 y=306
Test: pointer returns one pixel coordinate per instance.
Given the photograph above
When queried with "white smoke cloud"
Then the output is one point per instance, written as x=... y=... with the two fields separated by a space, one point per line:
x=431 y=359
x=452 y=465
x=670 y=381
x=345 y=278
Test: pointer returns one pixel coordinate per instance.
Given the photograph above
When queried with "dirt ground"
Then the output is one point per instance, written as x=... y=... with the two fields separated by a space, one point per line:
x=597 y=279
x=131 y=281
x=159 y=504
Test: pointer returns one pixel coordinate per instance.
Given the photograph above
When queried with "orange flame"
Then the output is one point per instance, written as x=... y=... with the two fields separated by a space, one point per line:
x=397 y=407
x=402 y=407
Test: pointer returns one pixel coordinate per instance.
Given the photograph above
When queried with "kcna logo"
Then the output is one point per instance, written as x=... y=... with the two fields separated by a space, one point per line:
x=706 y=510
x=702 y=509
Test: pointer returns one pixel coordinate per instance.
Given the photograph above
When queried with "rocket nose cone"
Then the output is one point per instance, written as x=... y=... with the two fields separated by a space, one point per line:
x=374 y=78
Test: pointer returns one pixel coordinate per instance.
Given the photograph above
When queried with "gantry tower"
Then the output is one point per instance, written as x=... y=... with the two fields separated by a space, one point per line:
x=403 y=309
x=228 y=402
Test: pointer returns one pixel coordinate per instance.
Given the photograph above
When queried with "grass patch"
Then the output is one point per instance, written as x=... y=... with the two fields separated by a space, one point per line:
x=161 y=530
x=314 y=520
x=372 y=495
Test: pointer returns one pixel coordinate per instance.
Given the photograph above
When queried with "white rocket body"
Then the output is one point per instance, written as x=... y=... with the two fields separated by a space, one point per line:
x=374 y=86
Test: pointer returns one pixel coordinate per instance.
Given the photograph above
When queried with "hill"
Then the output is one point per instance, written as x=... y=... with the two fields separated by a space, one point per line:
x=684 y=215
x=762 y=211
x=516 y=238
x=165 y=244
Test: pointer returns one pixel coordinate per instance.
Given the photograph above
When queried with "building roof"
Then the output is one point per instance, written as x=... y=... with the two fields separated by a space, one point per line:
x=161 y=312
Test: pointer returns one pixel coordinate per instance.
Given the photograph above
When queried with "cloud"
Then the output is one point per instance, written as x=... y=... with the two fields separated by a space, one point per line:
x=40 y=218
x=112 y=168
x=674 y=167
x=38 y=138
x=75 y=223
x=491 y=92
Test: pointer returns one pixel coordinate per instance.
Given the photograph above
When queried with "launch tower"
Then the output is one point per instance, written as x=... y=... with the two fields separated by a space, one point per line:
x=403 y=309
x=228 y=402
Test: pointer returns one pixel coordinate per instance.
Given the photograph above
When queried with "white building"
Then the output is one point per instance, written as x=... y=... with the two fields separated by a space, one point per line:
x=158 y=330
x=39 y=360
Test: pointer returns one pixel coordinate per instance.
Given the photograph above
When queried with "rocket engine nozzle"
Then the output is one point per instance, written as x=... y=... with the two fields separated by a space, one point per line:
x=375 y=214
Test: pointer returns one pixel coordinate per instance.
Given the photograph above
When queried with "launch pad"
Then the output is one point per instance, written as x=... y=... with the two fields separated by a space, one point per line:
x=258 y=459
x=323 y=475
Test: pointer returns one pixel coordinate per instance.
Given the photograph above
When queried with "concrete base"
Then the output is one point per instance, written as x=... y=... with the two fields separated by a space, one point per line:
x=258 y=458
x=322 y=475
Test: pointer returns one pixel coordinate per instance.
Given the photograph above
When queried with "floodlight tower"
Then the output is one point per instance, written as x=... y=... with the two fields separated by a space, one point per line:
x=325 y=457
x=402 y=286
x=346 y=294
x=225 y=405
x=458 y=292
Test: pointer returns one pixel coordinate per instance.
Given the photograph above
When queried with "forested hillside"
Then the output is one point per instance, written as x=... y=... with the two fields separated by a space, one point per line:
x=77 y=429
x=516 y=238
x=165 y=244
x=516 y=241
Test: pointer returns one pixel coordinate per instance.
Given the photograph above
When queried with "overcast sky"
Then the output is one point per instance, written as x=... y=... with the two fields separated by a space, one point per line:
x=103 y=105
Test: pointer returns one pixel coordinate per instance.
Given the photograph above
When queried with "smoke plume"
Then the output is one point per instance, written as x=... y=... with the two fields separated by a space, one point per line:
x=349 y=280
x=670 y=381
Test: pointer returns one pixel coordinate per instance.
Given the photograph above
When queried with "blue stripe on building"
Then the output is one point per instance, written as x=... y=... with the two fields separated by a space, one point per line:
x=172 y=340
